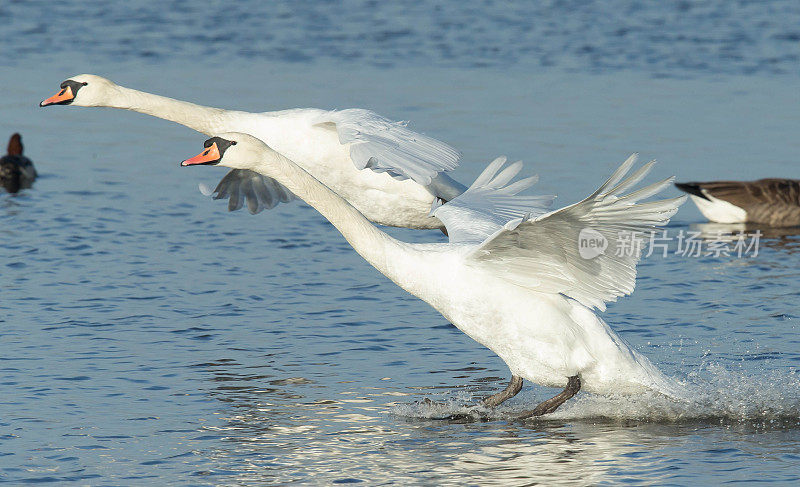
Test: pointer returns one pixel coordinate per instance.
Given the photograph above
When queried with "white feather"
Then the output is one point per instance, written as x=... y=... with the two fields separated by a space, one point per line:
x=490 y=203
x=355 y=152
x=514 y=291
x=205 y=189
x=542 y=253
x=379 y=144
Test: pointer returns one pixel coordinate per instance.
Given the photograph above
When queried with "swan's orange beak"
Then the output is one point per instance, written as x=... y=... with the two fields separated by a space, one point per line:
x=61 y=98
x=208 y=156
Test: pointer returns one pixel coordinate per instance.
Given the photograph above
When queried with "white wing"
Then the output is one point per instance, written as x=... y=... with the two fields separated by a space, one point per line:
x=542 y=254
x=260 y=192
x=385 y=146
x=376 y=142
x=490 y=203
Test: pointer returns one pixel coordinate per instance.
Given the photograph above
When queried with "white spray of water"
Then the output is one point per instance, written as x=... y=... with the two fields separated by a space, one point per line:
x=720 y=395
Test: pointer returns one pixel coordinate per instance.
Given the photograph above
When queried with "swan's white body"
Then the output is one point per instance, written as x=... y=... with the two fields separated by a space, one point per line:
x=391 y=174
x=542 y=337
x=529 y=301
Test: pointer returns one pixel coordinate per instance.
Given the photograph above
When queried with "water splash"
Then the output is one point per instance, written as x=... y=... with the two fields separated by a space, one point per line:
x=721 y=395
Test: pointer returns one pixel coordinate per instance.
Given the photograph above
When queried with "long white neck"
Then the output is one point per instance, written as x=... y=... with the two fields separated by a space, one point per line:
x=207 y=120
x=376 y=247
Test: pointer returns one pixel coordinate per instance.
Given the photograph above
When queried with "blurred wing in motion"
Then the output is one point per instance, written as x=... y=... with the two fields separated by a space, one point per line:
x=379 y=144
x=242 y=186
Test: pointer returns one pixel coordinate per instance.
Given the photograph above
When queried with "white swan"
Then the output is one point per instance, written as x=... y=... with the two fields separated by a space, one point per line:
x=511 y=277
x=390 y=173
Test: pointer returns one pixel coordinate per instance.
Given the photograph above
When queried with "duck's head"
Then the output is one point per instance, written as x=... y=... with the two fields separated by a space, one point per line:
x=15 y=145
x=231 y=149
x=83 y=90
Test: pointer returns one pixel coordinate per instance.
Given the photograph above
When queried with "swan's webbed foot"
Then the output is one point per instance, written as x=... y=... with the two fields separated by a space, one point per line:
x=514 y=386
x=477 y=413
x=550 y=405
x=511 y=390
x=468 y=416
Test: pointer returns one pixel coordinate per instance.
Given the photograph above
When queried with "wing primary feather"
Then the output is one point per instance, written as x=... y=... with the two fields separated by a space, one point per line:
x=487 y=174
x=234 y=201
x=519 y=185
x=506 y=175
x=542 y=252
x=490 y=203
x=617 y=176
x=633 y=179
x=648 y=191
x=256 y=191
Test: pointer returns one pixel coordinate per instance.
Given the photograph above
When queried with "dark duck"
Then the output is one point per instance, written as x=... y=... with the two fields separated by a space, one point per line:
x=16 y=170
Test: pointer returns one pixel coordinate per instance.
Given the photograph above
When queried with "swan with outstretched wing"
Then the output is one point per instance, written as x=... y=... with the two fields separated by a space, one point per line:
x=511 y=277
x=389 y=172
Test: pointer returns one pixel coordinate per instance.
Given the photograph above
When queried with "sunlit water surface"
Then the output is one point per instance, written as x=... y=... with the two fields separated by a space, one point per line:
x=149 y=336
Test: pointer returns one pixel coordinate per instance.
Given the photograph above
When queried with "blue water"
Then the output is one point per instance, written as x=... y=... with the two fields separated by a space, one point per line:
x=148 y=336
x=672 y=39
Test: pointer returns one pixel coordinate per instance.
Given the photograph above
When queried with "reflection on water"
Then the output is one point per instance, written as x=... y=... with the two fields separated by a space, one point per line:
x=342 y=434
x=147 y=335
x=786 y=239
